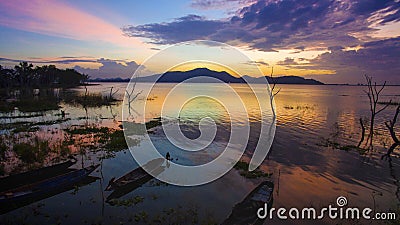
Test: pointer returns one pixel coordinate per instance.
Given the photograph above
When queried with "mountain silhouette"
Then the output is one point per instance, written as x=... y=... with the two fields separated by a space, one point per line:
x=202 y=75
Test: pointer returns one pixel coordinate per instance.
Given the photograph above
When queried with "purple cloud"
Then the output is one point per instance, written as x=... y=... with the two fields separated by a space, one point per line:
x=110 y=68
x=378 y=59
x=268 y=25
x=291 y=24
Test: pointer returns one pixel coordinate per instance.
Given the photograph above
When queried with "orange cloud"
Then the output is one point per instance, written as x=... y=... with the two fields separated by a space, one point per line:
x=60 y=19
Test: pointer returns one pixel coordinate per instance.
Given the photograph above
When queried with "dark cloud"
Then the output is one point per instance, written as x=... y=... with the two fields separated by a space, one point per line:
x=335 y=48
x=269 y=25
x=272 y=25
x=379 y=59
x=262 y=63
x=110 y=68
x=218 y=4
x=257 y=62
x=190 y=27
x=287 y=61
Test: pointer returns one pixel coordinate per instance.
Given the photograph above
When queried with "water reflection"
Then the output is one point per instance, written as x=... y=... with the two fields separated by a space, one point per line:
x=307 y=172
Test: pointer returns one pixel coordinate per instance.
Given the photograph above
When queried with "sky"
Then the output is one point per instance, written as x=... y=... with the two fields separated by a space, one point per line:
x=334 y=41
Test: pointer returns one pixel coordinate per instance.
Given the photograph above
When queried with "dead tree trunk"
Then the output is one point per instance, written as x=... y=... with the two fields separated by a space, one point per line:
x=132 y=97
x=273 y=92
x=362 y=133
x=390 y=125
x=373 y=94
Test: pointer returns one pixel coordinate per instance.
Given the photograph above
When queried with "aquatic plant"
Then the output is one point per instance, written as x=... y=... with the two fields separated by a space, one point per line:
x=127 y=202
x=153 y=123
x=243 y=171
x=86 y=99
x=116 y=141
x=32 y=152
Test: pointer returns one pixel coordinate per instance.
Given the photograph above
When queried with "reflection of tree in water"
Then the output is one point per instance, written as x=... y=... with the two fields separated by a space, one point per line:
x=396 y=180
x=131 y=97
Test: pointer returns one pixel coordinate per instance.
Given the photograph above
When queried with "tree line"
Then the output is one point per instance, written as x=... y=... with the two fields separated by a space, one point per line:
x=25 y=75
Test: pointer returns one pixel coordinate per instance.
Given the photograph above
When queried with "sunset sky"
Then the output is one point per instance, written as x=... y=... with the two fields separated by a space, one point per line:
x=332 y=41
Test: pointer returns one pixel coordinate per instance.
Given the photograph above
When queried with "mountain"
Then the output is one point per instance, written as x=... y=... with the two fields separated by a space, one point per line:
x=180 y=76
x=287 y=80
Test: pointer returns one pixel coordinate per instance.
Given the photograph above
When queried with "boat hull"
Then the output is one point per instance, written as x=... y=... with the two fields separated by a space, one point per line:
x=18 y=196
x=245 y=212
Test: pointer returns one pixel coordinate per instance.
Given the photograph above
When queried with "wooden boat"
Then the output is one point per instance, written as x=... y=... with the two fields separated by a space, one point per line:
x=12 y=205
x=136 y=175
x=24 y=193
x=245 y=212
x=33 y=176
x=123 y=190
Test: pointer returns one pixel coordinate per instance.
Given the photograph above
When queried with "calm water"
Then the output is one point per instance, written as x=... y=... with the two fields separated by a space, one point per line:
x=305 y=172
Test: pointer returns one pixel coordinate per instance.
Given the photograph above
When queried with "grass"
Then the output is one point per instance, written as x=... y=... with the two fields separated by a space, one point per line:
x=28 y=105
x=32 y=152
x=18 y=127
x=90 y=100
x=299 y=107
x=32 y=105
x=30 y=115
x=153 y=123
x=132 y=128
x=127 y=202
x=25 y=128
x=111 y=140
x=243 y=171
x=116 y=141
x=87 y=130
x=335 y=145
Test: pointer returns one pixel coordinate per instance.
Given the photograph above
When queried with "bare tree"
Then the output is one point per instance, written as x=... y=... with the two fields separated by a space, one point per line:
x=111 y=95
x=373 y=94
x=390 y=126
x=362 y=133
x=132 y=97
x=273 y=93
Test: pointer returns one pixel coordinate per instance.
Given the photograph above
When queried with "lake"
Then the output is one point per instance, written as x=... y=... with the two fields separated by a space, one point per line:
x=306 y=169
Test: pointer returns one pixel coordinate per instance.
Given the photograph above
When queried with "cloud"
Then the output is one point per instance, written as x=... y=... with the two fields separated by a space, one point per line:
x=190 y=27
x=59 y=60
x=262 y=63
x=219 y=4
x=287 y=61
x=60 y=19
x=100 y=68
x=377 y=58
x=257 y=62
x=333 y=26
x=110 y=69
x=286 y=24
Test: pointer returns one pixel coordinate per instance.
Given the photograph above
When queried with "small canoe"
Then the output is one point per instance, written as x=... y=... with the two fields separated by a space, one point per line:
x=13 y=205
x=245 y=212
x=24 y=193
x=136 y=175
x=128 y=188
x=33 y=176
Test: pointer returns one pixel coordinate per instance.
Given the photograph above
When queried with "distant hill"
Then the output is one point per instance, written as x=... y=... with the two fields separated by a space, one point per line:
x=180 y=76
